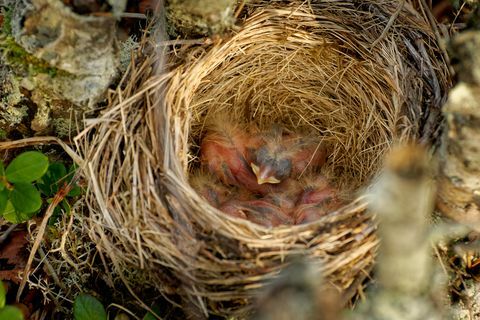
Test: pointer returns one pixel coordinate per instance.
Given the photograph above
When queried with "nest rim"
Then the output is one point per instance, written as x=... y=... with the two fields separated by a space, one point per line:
x=164 y=171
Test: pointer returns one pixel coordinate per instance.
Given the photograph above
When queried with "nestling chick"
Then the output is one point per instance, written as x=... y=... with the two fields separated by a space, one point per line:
x=315 y=190
x=257 y=211
x=224 y=151
x=317 y=199
x=209 y=188
x=232 y=208
x=284 y=155
x=306 y=213
x=284 y=195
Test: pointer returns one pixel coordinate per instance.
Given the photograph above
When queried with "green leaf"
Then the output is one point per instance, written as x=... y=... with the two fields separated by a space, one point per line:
x=57 y=171
x=53 y=179
x=150 y=316
x=65 y=206
x=3 y=200
x=72 y=170
x=9 y=213
x=27 y=167
x=11 y=313
x=2 y=174
x=25 y=198
x=3 y=295
x=58 y=212
x=13 y=216
x=87 y=307
x=44 y=188
x=75 y=191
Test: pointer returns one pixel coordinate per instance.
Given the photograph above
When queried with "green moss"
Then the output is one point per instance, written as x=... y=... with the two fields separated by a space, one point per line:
x=15 y=55
x=7 y=21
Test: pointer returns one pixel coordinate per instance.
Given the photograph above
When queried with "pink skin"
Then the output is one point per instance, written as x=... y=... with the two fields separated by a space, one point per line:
x=210 y=188
x=306 y=213
x=311 y=196
x=279 y=146
x=226 y=154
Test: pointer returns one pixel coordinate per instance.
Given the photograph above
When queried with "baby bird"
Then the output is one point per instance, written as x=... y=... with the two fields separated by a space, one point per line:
x=315 y=190
x=317 y=199
x=283 y=154
x=224 y=152
x=210 y=188
x=257 y=211
x=284 y=195
x=308 y=213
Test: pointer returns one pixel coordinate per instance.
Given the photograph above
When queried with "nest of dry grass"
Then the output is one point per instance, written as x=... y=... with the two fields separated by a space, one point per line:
x=362 y=75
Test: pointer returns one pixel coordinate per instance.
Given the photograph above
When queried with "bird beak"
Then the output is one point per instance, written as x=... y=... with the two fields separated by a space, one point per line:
x=270 y=179
x=263 y=175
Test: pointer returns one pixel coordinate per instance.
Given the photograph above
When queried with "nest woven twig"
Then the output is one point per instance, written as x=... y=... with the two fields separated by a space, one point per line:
x=360 y=74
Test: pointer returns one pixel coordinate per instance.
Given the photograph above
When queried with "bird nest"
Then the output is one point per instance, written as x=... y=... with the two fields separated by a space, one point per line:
x=361 y=75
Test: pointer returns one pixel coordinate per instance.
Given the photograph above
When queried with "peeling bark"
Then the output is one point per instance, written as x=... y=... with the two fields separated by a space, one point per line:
x=67 y=61
x=459 y=183
x=409 y=286
x=200 y=17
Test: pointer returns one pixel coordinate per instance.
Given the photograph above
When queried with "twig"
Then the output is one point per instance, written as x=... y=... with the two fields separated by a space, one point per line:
x=21 y=143
x=52 y=272
x=61 y=248
x=59 y=196
x=239 y=9
x=390 y=23
x=166 y=43
x=431 y=19
x=121 y=15
x=7 y=232
x=123 y=309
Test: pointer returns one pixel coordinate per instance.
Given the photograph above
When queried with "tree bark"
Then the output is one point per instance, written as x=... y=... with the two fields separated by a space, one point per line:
x=200 y=17
x=459 y=182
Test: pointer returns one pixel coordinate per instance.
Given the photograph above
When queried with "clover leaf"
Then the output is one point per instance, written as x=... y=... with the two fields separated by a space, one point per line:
x=87 y=307
x=27 y=167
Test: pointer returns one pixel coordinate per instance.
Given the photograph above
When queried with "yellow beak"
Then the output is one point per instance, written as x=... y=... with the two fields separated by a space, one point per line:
x=272 y=180
x=262 y=178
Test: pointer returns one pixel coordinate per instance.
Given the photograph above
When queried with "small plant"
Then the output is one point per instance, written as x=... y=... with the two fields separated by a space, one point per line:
x=56 y=177
x=87 y=307
x=150 y=315
x=25 y=179
x=19 y=198
x=8 y=312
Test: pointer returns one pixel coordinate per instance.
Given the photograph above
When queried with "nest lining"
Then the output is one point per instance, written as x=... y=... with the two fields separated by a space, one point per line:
x=310 y=67
x=302 y=79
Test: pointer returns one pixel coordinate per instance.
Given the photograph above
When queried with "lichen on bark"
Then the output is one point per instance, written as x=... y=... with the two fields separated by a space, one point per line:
x=67 y=59
x=459 y=186
x=199 y=17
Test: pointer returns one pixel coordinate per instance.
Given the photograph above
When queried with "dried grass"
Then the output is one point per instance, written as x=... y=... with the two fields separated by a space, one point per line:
x=308 y=65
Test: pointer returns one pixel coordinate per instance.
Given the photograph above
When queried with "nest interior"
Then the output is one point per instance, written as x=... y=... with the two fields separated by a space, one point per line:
x=306 y=78
x=361 y=75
